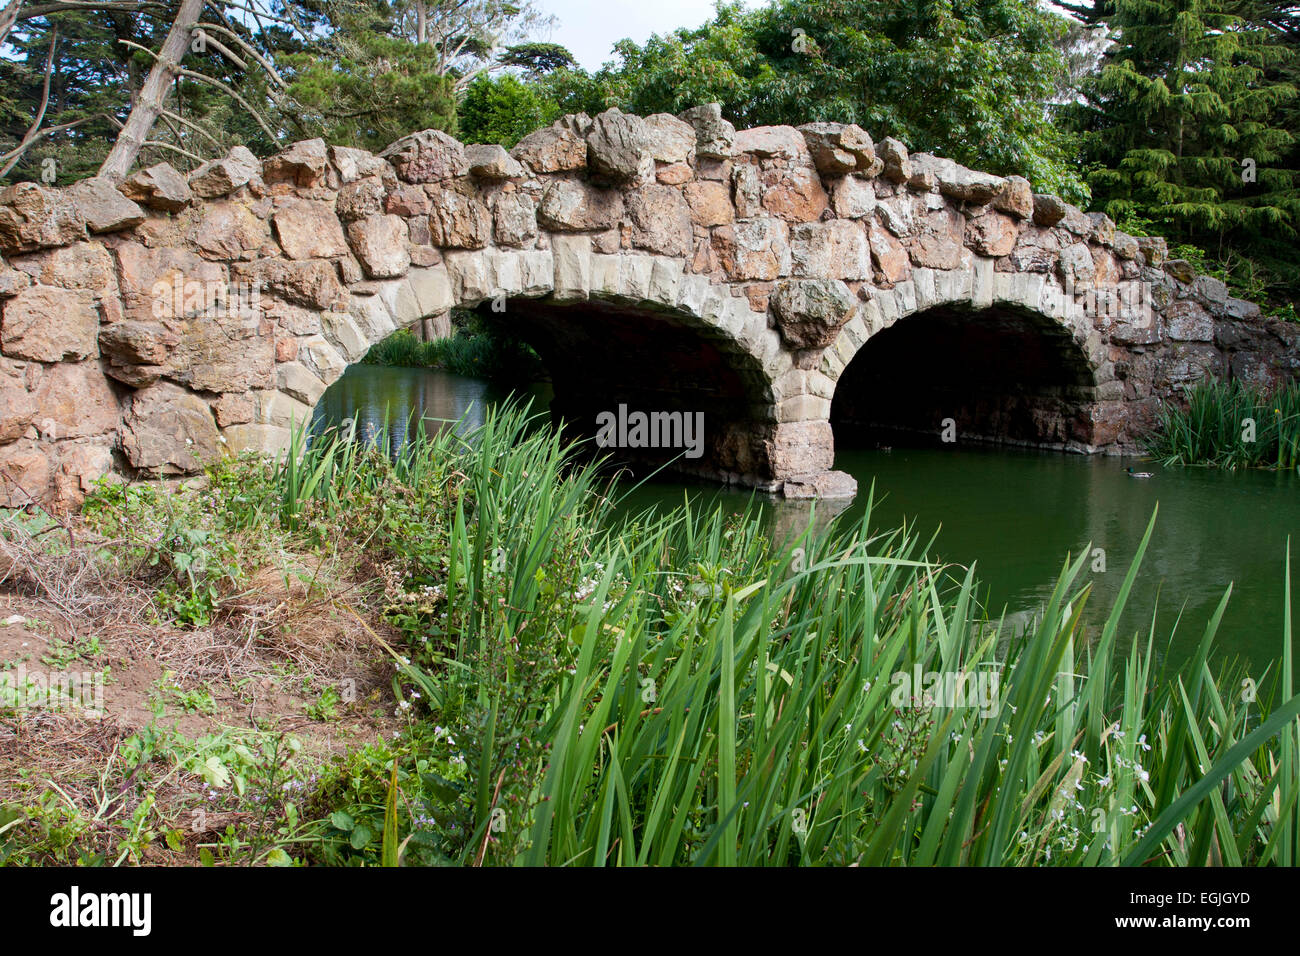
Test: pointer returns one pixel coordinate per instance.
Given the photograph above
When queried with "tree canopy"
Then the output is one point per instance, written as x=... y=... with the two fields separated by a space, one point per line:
x=971 y=79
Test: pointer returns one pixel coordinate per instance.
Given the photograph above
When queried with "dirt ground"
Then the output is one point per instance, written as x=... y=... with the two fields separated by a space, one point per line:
x=289 y=653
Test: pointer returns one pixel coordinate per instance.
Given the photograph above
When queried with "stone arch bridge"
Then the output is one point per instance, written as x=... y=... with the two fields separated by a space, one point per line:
x=773 y=279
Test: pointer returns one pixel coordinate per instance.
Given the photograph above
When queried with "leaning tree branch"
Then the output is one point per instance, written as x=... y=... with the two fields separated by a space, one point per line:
x=229 y=91
x=260 y=15
x=248 y=49
x=212 y=81
x=68 y=6
x=184 y=152
x=176 y=117
x=149 y=104
x=8 y=17
x=175 y=130
x=221 y=48
x=49 y=131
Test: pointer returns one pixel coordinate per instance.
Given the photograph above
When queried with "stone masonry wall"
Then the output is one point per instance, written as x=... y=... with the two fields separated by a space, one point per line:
x=152 y=326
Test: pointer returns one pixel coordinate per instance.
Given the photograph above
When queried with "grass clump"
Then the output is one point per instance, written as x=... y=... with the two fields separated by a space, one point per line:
x=680 y=689
x=1230 y=425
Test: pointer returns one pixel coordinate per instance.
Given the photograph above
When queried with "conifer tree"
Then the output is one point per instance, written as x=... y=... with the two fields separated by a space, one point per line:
x=1184 y=124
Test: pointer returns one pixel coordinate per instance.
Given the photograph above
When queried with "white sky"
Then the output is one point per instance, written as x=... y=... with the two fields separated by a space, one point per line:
x=589 y=28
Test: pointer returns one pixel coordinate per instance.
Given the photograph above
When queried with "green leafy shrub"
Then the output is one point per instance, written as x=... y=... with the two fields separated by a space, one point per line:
x=176 y=539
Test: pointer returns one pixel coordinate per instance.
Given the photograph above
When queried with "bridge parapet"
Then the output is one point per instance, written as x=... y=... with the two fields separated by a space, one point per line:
x=154 y=325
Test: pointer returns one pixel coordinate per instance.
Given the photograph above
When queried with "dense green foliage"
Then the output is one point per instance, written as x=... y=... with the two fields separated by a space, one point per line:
x=1185 y=127
x=347 y=99
x=1230 y=425
x=474 y=348
x=504 y=110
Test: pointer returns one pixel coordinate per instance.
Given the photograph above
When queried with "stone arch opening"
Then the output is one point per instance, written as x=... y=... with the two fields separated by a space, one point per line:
x=1003 y=374
x=706 y=400
x=619 y=335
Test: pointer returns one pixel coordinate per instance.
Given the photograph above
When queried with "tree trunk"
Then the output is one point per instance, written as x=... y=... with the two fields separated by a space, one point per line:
x=149 y=104
x=8 y=17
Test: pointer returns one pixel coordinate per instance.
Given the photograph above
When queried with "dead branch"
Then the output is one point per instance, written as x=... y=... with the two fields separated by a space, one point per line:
x=192 y=125
x=175 y=149
x=66 y=6
x=221 y=48
x=229 y=91
x=248 y=49
x=8 y=17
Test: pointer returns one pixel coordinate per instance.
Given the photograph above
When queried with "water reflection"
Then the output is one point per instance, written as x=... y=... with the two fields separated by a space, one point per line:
x=1017 y=513
x=380 y=399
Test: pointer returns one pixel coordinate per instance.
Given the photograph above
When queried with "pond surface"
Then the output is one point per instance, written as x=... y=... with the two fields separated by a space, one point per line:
x=1016 y=513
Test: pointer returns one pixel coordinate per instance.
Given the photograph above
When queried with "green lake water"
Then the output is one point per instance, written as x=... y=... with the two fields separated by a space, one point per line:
x=1015 y=514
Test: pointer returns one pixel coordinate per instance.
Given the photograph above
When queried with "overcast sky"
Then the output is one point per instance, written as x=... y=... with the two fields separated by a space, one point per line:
x=589 y=28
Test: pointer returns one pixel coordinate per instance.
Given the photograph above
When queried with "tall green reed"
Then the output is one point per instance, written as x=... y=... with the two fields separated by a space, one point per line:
x=678 y=688
x=1230 y=424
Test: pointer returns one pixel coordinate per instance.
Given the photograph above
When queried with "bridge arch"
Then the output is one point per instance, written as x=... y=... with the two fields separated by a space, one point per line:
x=1014 y=358
x=589 y=315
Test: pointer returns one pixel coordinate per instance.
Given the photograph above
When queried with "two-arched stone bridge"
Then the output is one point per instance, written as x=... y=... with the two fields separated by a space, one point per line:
x=771 y=279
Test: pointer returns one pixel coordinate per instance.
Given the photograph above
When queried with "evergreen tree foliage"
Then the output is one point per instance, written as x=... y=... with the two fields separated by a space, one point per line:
x=503 y=110
x=370 y=87
x=1186 y=127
